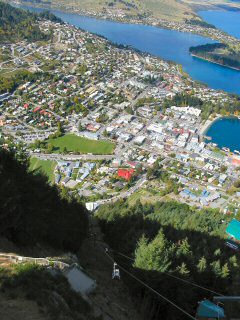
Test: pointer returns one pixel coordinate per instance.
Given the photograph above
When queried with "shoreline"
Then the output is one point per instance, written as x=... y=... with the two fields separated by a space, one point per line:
x=160 y=23
x=220 y=64
x=207 y=124
x=128 y=47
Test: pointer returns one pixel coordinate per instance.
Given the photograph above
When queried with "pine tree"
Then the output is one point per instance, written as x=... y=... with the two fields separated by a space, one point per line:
x=216 y=268
x=141 y=253
x=233 y=261
x=202 y=264
x=217 y=252
x=184 y=248
x=225 y=271
x=156 y=255
x=182 y=269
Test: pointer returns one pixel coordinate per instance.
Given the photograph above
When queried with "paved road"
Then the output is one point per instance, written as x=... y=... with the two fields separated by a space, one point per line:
x=72 y=157
x=127 y=193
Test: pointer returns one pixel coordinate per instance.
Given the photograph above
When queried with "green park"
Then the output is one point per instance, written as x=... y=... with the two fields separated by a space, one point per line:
x=73 y=143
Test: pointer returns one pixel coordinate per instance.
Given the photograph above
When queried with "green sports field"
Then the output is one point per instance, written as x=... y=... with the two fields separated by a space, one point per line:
x=45 y=167
x=74 y=143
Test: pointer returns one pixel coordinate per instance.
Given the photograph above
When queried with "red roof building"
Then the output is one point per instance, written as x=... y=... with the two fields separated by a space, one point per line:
x=236 y=162
x=125 y=173
x=37 y=109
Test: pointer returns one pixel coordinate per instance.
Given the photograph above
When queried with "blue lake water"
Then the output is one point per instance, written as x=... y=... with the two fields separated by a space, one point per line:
x=167 y=44
x=229 y=21
x=225 y=132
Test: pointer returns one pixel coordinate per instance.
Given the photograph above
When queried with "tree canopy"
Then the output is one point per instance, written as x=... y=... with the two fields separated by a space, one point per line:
x=18 y=24
x=170 y=238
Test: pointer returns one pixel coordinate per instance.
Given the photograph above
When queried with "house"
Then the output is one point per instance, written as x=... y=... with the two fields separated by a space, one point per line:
x=236 y=161
x=125 y=173
x=65 y=181
x=92 y=206
x=57 y=178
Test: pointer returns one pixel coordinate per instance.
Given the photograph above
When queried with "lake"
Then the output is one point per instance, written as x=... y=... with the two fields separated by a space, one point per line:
x=225 y=132
x=228 y=21
x=167 y=44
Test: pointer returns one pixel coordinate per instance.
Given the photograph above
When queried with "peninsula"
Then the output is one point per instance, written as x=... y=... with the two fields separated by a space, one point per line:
x=218 y=53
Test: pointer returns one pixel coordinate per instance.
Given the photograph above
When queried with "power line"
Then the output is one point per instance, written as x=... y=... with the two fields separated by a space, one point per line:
x=177 y=278
x=153 y=290
x=170 y=275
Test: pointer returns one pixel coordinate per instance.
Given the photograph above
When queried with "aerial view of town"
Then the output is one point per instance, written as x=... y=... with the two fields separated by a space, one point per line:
x=141 y=152
x=101 y=127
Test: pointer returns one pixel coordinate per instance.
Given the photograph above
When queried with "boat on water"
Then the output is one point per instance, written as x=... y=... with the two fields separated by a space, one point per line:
x=226 y=149
x=208 y=138
x=236 y=151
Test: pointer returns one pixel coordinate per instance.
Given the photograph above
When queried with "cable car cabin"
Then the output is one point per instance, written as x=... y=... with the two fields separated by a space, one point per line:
x=208 y=310
x=233 y=235
x=116 y=272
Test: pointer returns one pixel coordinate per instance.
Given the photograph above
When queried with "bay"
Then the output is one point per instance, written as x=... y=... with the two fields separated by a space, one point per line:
x=225 y=132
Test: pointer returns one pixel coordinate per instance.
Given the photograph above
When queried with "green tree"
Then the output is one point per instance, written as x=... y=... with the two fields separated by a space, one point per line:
x=157 y=254
x=50 y=148
x=202 y=264
x=182 y=269
x=216 y=268
x=184 y=248
x=225 y=271
x=60 y=129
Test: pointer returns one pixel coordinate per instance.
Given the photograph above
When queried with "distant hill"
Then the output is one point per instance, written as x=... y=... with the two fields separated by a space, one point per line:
x=167 y=9
x=172 y=10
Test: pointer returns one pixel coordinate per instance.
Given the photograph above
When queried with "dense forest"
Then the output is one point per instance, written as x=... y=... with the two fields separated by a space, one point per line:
x=32 y=212
x=218 y=53
x=165 y=239
x=18 y=24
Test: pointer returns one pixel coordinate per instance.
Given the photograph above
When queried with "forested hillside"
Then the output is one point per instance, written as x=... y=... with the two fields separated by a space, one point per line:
x=18 y=24
x=32 y=212
x=218 y=53
x=171 y=238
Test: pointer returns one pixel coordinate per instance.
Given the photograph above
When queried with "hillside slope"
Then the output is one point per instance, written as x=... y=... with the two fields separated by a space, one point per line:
x=165 y=243
x=33 y=212
x=17 y=24
x=172 y=10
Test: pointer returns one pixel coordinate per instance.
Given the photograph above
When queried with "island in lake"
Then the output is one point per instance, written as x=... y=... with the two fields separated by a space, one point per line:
x=219 y=53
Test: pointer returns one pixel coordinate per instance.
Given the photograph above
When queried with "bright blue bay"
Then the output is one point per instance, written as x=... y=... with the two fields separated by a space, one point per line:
x=167 y=44
x=229 y=21
x=225 y=132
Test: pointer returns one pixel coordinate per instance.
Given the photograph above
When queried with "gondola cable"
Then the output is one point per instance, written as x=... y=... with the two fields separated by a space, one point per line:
x=177 y=278
x=150 y=288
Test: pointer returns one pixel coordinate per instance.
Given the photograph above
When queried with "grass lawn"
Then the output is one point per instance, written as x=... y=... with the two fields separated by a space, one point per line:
x=45 y=167
x=74 y=143
x=145 y=196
